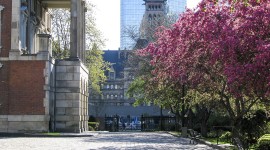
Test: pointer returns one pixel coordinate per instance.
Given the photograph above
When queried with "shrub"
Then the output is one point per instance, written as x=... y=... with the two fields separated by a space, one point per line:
x=226 y=136
x=264 y=142
x=93 y=126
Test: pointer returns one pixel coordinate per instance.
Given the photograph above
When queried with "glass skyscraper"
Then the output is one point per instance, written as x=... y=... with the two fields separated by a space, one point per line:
x=131 y=16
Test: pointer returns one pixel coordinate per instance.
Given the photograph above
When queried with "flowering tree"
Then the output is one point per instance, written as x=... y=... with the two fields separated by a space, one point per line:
x=222 y=47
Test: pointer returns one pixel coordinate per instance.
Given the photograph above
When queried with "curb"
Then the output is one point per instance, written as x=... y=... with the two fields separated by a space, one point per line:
x=46 y=135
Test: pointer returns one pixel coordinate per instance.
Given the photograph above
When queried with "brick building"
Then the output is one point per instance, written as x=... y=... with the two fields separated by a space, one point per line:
x=38 y=93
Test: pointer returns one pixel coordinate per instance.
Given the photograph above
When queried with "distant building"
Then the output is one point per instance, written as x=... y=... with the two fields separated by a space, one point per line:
x=114 y=100
x=132 y=12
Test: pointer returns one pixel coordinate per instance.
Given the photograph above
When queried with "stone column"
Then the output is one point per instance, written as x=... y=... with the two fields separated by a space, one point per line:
x=74 y=30
x=83 y=32
x=15 y=27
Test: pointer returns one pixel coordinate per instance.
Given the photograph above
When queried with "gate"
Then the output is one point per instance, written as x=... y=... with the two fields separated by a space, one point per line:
x=158 y=123
x=145 y=123
x=112 y=123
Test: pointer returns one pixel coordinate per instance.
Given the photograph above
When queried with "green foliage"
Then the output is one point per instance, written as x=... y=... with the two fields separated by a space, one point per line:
x=136 y=90
x=226 y=137
x=93 y=126
x=52 y=133
x=264 y=142
x=58 y=52
x=253 y=126
x=60 y=33
x=96 y=67
x=93 y=35
x=90 y=128
x=219 y=119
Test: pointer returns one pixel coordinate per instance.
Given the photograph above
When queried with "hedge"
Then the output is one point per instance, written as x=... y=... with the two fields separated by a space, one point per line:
x=93 y=126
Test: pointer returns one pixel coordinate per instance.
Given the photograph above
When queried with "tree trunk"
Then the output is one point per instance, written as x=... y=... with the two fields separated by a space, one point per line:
x=204 y=128
x=237 y=138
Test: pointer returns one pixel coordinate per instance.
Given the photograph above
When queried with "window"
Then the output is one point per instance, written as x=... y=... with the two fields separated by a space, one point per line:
x=112 y=86
x=1 y=8
x=108 y=86
x=33 y=6
x=116 y=86
x=23 y=24
x=111 y=76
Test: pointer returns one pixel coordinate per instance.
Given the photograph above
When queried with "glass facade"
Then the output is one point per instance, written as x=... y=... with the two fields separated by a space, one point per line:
x=131 y=16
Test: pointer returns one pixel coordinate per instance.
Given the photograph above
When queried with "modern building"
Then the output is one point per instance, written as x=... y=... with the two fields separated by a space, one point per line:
x=37 y=92
x=131 y=16
x=131 y=13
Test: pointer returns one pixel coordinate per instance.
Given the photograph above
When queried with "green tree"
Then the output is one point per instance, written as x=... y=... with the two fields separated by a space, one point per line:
x=94 y=43
x=96 y=67
x=60 y=33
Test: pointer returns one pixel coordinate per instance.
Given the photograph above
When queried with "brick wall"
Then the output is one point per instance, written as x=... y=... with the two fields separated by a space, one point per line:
x=26 y=83
x=4 y=88
x=6 y=27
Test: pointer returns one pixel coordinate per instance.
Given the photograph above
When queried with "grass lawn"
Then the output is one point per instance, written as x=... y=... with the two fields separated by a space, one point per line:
x=214 y=141
x=52 y=133
x=175 y=133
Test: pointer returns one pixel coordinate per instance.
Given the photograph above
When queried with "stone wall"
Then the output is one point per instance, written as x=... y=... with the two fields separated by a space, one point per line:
x=71 y=109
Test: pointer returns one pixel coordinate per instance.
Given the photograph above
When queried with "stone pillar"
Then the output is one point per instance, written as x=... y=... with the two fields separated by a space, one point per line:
x=44 y=43
x=83 y=32
x=71 y=97
x=15 y=29
x=75 y=29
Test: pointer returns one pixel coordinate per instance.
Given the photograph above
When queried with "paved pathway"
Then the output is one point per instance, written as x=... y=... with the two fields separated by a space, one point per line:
x=102 y=141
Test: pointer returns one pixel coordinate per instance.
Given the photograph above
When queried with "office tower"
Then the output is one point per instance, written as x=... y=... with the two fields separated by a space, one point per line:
x=131 y=15
x=132 y=12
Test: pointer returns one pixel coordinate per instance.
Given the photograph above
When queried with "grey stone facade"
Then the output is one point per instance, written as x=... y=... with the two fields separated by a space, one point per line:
x=71 y=103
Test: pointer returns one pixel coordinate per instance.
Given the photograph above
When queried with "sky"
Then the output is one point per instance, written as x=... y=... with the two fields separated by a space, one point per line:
x=107 y=14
